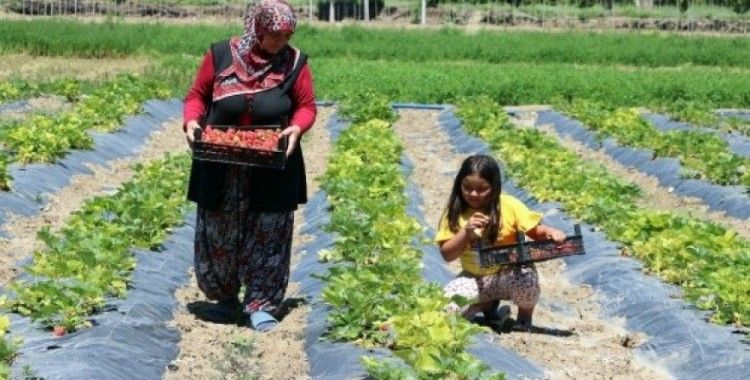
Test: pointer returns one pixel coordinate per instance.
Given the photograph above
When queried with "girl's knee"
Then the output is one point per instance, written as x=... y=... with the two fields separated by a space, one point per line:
x=465 y=287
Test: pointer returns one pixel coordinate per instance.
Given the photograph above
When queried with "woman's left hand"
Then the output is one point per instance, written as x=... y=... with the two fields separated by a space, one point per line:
x=294 y=133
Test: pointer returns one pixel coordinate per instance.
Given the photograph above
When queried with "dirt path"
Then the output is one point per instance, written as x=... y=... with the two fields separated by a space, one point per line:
x=33 y=68
x=597 y=348
x=655 y=196
x=46 y=104
x=226 y=351
x=21 y=230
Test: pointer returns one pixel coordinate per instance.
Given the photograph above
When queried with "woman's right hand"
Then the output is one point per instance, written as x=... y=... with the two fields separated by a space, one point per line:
x=190 y=128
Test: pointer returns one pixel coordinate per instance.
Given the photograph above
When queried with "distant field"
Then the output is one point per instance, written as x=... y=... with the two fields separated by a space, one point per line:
x=631 y=69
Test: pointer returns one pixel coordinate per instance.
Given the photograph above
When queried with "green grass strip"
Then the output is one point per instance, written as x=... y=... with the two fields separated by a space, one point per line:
x=90 y=258
x=710 y=263
x=117 y=39
x=376 y=288
x=529 y=83
x=703 y=155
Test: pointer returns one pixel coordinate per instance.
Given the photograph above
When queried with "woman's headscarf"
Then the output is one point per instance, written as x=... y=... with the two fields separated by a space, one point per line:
x=253 y=70
x=263 y=17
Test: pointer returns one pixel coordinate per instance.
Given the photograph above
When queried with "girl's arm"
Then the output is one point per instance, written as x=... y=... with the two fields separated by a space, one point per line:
x=452 y=248
x=544 y=232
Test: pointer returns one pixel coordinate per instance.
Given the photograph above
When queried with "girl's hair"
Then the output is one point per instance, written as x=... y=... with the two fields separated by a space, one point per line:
x=486 y=168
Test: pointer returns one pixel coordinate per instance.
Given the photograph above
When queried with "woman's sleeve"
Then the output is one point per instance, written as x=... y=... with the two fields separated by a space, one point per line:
x=303 y=96
x=199 y=96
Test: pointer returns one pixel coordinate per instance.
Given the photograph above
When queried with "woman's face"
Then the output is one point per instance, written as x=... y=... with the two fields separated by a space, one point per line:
x=476 y=191
x=273 y=42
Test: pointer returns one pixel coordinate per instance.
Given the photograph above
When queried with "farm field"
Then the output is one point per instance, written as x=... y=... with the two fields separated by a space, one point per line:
x=620 y=132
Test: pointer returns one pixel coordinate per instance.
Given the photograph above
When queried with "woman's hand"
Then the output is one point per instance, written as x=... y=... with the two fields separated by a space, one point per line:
x=190 y=128
x=475 y=225
x=294 y=133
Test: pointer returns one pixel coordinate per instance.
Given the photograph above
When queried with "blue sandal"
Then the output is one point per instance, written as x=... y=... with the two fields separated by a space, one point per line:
x=261 y=321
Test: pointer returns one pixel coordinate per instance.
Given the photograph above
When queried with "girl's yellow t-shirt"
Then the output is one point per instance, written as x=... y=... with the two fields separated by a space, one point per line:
x=514 y=216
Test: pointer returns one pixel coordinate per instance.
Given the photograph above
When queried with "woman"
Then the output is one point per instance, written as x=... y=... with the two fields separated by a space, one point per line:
x=243 y=232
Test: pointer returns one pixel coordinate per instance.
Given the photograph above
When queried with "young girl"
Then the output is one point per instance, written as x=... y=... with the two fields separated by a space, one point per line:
x=478 y=214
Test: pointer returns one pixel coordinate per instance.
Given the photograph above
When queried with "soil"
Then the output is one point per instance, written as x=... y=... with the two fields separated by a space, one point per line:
x=210 y=350
x=46 y=104
x=21 y=230
x=574 y=343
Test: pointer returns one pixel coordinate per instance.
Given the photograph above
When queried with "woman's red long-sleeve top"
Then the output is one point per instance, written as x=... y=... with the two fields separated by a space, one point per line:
x=200 y=95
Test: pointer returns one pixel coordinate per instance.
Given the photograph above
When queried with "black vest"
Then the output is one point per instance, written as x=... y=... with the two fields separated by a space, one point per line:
x=271 y=190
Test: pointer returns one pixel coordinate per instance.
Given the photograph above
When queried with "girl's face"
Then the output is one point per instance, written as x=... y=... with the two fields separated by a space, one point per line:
x=273 y=42
x=476 y=191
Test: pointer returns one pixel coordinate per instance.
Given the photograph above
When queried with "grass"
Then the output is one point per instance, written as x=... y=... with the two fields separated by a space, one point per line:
x=115 y=39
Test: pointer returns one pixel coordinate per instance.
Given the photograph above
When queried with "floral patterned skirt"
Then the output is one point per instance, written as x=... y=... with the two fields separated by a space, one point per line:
x=519 y=284
x=235 y=246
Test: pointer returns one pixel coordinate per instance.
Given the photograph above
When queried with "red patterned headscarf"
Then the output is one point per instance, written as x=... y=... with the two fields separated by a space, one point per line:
x=252 y=70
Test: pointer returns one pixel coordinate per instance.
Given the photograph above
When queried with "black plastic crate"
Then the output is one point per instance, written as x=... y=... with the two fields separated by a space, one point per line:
x=532 y=251
x=235 y=155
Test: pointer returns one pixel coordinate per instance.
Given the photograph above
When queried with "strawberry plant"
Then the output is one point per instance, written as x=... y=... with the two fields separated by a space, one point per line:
x=703 y=155
x=376 y=290
x=7 y=348
x=90 y=257
x=46 y=138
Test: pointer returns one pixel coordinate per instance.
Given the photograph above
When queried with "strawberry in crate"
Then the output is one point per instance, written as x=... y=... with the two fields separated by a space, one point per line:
x=262 y=146
x=262 y=139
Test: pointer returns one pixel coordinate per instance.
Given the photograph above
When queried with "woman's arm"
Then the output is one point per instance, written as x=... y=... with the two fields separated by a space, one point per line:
x=303 y=116
x=199 y=95
x=303 y=99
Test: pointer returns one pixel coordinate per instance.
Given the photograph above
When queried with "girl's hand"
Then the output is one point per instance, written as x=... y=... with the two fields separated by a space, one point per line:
x=477 y=222
x=556 y=235
x=293 y=132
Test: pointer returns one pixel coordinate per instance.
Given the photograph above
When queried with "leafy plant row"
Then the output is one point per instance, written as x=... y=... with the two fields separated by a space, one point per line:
x=702 y=114
x=710 y=263
x=45 y=138
x=702 y=155
x=7 y=348
x=375 y=288
x=90 y=257
x=117 y=39
x=15 y=89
